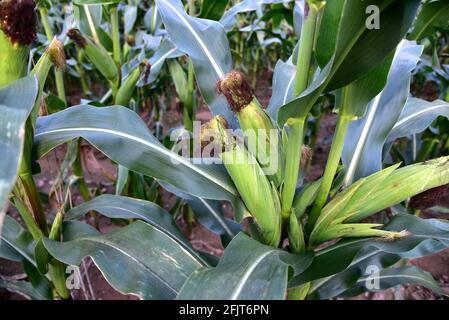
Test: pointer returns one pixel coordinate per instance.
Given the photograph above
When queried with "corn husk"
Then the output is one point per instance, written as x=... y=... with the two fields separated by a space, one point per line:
x=296 y=235
x=375 y=193
x=96 y=54
x=126 y=90
x=255 y=191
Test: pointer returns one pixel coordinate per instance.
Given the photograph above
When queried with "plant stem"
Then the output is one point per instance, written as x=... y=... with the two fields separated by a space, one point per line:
x=60 y=88
x=293 y=152
x=77 y=168
x=189 y=107
x=331 y=168
x=192 y=8
x=56 y=270
x=305 y=49
x=115 y=34
x=82 y=74
x=297 y=126
x=25 y=182
x=59 y=77
x=255 y=67
x=46 y=24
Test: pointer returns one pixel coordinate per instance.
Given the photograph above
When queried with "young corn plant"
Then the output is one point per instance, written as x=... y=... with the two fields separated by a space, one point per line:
x=288 y=239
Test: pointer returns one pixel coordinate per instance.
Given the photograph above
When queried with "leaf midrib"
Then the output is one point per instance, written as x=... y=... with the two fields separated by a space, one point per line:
x=156 y=226
x=144 y=142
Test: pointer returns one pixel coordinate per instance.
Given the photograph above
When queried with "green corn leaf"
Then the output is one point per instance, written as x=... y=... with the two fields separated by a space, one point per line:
x=152 y=19
x=283 y=86
x=137 y=259
x=352 y=100
x=229 y=18
x=210 y=213
x=392 y=277
x=130 y=17
x=166 y=50
x=88 y=19
x=247 y=270
x=433 y=15
x=213 y=9
x=417 y=116
x=180 y=80
x=16 y=243
x=124 y=137
x=362 y=152
x=23 y=288
x=295 y=235
x=306 y=197
x=349 y=258
x=16 y=103
x=128 y=208
x=205 y=42
x=343 y=51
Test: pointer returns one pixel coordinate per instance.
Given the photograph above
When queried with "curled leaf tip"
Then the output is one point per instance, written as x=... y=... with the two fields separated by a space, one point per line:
x=18 y=21
x=56 y=52
x=77 y=38
x=236 y=89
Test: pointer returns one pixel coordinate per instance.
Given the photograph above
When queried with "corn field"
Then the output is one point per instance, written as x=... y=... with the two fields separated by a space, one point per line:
x=223 y=149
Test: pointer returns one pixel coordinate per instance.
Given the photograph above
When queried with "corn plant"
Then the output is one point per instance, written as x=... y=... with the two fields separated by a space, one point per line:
x=288 y=238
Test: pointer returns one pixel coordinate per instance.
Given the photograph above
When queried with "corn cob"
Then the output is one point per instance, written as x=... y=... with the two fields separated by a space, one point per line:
x=259 y=195
x=255 y=123
x=96 y=53
x=126 y=90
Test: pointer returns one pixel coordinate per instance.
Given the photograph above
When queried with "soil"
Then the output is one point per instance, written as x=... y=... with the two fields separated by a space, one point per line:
x=101 y=175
